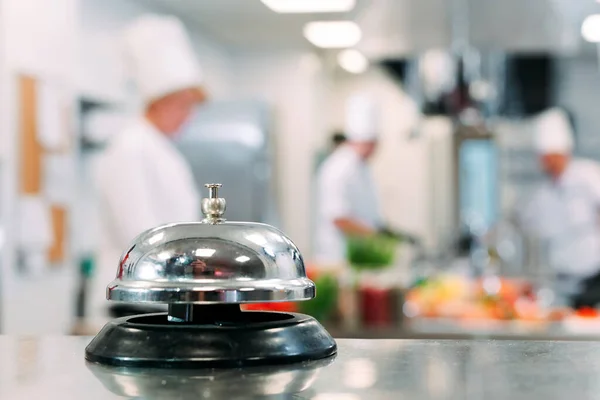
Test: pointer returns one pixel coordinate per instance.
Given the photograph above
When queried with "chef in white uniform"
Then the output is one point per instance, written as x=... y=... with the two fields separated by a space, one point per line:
x=347 y=200
x=143 y=180
x=564 y=211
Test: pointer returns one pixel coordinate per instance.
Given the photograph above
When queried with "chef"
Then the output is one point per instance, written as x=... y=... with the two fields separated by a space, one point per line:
x=143 y=180
x=564 y=211
x=347 y=200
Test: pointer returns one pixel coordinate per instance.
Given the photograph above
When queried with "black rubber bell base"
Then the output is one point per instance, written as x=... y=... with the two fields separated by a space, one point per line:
x=244 y=339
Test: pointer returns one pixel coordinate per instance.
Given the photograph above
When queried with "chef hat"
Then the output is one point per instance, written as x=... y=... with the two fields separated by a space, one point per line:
x=553 y=133
x=362 y=119
x=161 y=56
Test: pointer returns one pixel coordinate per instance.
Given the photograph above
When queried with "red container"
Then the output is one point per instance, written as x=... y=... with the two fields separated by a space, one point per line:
x=376 y=307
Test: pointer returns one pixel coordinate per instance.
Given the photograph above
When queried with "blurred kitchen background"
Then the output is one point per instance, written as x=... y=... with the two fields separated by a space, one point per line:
x=457 y=82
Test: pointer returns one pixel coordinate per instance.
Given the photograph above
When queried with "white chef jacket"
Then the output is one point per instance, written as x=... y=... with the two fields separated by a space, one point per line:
x=565 y=213
x=345 y=189
x=143 y=181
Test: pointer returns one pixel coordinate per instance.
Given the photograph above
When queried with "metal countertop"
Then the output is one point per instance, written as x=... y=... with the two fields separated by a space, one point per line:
x=54 y=368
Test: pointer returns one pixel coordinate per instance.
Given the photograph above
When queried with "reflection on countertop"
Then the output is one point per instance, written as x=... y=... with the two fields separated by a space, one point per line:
x=451 y=329
x=54 y=368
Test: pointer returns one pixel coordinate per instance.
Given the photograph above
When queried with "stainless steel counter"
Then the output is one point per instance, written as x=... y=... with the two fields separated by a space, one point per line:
x=54 y=368
x=438 y=329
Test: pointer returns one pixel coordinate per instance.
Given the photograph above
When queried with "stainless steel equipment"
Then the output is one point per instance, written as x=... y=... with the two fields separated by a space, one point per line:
x=204 y=271
x=228 y=142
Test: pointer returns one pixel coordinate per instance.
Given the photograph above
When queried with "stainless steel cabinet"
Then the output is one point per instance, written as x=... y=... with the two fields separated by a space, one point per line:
x=229 y=142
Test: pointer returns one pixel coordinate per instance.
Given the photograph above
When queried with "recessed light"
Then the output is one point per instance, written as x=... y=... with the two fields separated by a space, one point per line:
x=332 y=34
x=309 y=6
x=353 y=61
x=205 y=252
x=590 y=29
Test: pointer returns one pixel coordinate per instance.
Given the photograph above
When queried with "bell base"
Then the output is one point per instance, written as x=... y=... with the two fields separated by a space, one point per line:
x=241 y=339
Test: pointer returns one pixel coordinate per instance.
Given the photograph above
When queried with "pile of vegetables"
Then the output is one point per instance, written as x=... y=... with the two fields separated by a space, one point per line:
x=321 y=307
x=371 y=252
x=449 y=296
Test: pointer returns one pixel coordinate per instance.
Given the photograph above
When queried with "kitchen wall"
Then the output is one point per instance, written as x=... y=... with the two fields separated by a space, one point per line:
x=38 y=39
x=292 y=83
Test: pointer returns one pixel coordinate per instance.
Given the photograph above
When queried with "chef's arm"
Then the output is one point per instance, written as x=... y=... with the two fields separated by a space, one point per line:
x=352 y=227
x=400 y=235
x=338 y=207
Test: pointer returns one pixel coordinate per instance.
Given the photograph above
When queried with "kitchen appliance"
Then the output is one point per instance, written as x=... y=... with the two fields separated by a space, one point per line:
x=204 y=271
x=229 y=142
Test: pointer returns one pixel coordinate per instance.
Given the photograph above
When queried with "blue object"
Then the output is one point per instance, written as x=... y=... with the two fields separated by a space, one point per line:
x=478 y=183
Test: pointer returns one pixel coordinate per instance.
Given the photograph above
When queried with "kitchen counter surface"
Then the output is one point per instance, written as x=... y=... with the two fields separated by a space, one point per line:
x=438 y=328
x=54 y=368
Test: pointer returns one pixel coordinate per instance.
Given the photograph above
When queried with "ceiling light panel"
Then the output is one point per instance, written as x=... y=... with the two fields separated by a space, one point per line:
x=353 y=61
x=333 y=34
x=309 y=6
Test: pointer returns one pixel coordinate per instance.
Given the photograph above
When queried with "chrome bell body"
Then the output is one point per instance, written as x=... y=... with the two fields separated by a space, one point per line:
x=204 y=271
x=228 y=262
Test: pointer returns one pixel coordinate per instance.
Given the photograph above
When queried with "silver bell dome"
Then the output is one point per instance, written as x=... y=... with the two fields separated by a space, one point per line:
x=212 y=261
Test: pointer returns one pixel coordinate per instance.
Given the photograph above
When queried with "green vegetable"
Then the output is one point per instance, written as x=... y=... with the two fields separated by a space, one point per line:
x=421 y=282
x=322 y=306
x=371 y=252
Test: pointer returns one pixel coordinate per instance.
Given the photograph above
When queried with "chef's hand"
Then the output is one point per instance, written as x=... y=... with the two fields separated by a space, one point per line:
x=351 y=227
x=399 y=235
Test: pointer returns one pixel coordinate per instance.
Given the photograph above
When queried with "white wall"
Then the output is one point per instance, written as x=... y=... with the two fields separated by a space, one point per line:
x=7 y=170
x=38 y=39
x=291 y=83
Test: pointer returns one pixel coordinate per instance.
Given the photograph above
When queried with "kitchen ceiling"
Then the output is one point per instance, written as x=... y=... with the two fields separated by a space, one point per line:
x=397 y=27
x=249 y=24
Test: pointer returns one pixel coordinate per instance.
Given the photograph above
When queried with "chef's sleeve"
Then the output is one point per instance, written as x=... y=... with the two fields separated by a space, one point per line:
x=593 y=179
x=337 y=200
x=128 y=193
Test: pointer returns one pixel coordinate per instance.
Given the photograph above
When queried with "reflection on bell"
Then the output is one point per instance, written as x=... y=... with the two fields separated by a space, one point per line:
x=204 y=271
